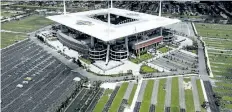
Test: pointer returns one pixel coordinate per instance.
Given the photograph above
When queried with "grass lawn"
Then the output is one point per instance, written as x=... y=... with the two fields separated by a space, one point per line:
x=6 y=14
x=142 y=57
x=27 y=24
x=228 y=98
x=101 y=103
x=132 y=94
x=175 y=95
x=10 y=38
x=214 y=30
x=220 y=61
x=147 y=69
x=200 y=94
x=118 y=98
x=229 y=106
x=164 y=49
x=189 y=100
x=145 y=105
x=161 y=96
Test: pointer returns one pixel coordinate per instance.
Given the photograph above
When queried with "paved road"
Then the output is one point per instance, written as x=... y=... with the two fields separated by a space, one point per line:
x=211 y=99
x=141 y=91
x=195 y=94
x=202 y=65
x=128 y=91
x=181 y=93
x=168 y=92
x=155 y=92
x=205 y=77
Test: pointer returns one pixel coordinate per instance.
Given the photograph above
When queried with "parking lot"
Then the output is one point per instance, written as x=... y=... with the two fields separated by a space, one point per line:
x=32 y=79
x=177 y=61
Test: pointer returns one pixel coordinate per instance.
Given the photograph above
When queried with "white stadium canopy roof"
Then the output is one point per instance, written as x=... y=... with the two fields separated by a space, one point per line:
x=100 y=29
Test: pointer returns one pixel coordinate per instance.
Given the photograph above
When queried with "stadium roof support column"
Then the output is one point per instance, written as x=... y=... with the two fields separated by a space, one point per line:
x=109 y=16
x=64 y=7
x=160 y=9
x=108 y=53
x=126 y=43
x=92 y=42
x=111 y=4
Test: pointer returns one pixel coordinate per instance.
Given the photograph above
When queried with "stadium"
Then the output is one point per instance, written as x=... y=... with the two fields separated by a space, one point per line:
x=112 y=34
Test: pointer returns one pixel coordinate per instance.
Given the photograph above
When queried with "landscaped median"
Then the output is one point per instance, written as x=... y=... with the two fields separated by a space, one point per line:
x=141 y=58
x=147 y=69
x=102 y=102
x=118 y=98
x=161 y=96
x=175 y=95
x=145 y=105
x=164 y=49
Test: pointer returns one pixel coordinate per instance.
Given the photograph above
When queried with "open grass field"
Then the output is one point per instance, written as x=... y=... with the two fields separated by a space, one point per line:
x=118 y=98
x=175 y=95
x=200 y=94
x=5 y=13
x=132 y=94
x=27 y=24
x=161 y=96
x=145 y=105
x=49 y=7
x=10 y=38
x=214 y=30
x=101 y=103
x=219 y=37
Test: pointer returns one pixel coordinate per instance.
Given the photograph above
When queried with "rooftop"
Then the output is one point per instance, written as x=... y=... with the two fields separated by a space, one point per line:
x=84 y=22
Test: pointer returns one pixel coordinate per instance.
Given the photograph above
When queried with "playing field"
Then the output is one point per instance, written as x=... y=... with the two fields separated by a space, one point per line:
x=27 y=24
x=10 y=38
x=218 y=39
x=145 y=105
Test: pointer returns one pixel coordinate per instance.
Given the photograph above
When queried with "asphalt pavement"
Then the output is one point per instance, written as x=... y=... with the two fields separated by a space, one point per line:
x=206 y=80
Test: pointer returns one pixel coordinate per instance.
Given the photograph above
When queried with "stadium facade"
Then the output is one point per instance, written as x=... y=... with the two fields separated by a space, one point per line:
x=111 y=34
